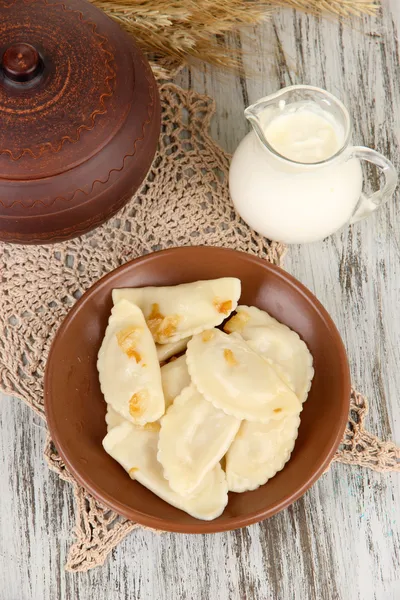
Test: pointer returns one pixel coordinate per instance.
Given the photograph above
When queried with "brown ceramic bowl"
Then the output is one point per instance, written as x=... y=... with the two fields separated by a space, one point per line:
x=76 y=409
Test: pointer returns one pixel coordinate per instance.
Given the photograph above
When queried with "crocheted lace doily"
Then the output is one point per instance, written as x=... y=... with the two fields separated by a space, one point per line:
x=184 y=201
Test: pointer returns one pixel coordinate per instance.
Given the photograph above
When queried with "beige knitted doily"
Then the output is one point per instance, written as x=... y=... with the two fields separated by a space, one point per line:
x=184 y=201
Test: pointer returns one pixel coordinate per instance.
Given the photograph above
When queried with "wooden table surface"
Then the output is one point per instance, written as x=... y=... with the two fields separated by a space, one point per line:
x=342 y=539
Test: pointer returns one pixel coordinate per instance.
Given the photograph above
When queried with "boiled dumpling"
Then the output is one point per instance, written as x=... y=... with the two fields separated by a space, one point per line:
x=166 y=351
x=176 y=312
x=259 y=451
x=236 y=379
x=113 y=419
x=135 y=448
x=129 y=371
x=174 y=377
x=278 y=343
x=194 y=436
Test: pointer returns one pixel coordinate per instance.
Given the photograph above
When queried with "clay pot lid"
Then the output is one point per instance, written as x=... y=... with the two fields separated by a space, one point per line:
x=63 y=66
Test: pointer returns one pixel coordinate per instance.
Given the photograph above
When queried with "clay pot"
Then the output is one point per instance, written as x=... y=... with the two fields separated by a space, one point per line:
x=79 y=119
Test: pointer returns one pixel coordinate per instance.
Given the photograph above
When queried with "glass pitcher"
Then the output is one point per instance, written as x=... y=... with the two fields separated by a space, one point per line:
x=298 y=179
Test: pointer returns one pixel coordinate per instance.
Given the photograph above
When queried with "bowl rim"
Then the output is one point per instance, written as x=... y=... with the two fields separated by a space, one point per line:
x=199 y=526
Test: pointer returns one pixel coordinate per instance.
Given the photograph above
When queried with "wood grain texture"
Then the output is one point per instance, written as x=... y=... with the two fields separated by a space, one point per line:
x=341 y=540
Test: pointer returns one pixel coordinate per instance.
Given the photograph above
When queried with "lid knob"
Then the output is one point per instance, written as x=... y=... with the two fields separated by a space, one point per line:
x=21 y=62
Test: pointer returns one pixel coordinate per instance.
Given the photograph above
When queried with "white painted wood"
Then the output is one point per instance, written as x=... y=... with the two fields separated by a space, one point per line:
x=341 y=540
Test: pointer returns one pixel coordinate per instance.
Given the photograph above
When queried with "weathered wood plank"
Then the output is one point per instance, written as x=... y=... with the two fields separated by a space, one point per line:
x=342 y=540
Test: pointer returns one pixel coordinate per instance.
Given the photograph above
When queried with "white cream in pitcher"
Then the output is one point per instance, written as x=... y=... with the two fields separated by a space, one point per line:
x=294 y=178
x=304 y=136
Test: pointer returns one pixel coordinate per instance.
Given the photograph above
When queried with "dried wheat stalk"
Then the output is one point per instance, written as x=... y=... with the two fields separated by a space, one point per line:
x=184 y=29
x=340 y=8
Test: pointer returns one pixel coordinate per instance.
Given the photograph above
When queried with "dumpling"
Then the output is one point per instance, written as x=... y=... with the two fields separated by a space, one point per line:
x=194 y=436
x=177 y=312
x=113 y=419
x=129 y=372
x=135 y=448
x=259 y=451
x=166 y=351
x=276 y=342
x=174 y=377
x=236 y=379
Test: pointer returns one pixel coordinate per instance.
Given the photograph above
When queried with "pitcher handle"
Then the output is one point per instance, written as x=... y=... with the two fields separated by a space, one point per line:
x=368 y=204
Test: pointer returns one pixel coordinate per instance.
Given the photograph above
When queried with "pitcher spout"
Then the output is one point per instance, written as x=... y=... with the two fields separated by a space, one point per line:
x=261 y=113
x=257 y=115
